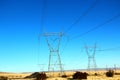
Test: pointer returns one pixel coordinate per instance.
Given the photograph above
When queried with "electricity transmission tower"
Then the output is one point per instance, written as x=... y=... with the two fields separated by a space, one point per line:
x=53 y=41
x=91 y=57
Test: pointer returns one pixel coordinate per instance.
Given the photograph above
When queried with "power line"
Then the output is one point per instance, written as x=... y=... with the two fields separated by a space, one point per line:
x=94 y=28
x=110 y=49
x=83 y=15
x=64 y=47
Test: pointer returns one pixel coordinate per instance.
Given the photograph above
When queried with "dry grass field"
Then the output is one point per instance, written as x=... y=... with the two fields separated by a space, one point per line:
x=15 y=75
x=101 y=76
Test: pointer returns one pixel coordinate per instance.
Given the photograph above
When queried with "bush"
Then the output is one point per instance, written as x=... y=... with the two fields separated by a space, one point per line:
x=110 y=73
x=95 y=74
x=38 y=76
x=80 y=75
x=3 y=78
x=117 y=73
x=41 y=76
x=64 y=76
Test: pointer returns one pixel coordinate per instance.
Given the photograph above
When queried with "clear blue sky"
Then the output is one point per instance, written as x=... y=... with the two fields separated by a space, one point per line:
x=20 y=26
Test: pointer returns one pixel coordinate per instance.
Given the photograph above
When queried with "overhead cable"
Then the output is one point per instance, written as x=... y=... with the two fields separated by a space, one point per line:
x=110 y=49
x=83 y=15
x=94 y=28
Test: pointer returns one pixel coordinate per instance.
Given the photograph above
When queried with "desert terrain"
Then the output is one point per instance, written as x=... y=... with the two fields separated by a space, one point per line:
x=55 y=76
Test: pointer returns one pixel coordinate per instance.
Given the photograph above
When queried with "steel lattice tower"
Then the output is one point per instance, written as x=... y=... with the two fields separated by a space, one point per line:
x=91 y=57
x=53 y=41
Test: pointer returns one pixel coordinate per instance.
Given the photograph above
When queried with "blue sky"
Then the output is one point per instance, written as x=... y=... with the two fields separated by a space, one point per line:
x=21 y=22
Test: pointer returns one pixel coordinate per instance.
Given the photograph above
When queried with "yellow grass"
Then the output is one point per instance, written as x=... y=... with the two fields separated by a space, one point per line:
x=101 y=76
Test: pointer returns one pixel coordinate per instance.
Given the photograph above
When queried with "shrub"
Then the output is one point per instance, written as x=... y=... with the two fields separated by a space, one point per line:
x=3 y=78
x=117 y=73
x=95 y=74
x=38 y=76
x=110 y=73
x=64 y=76
x=41 y=76
x=80 y=75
